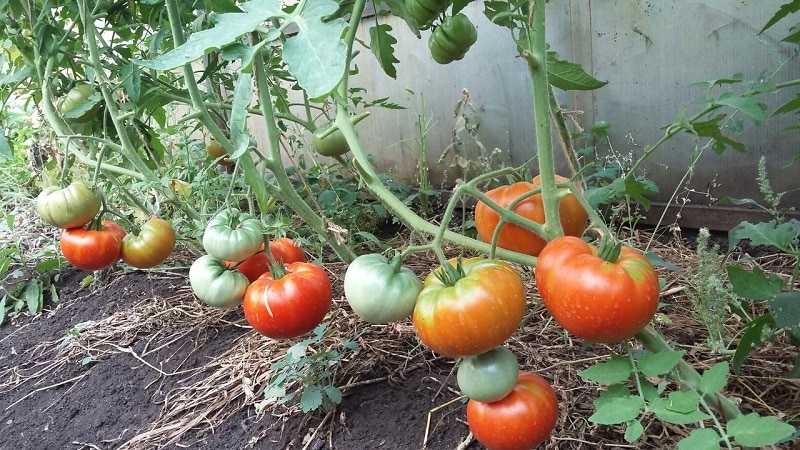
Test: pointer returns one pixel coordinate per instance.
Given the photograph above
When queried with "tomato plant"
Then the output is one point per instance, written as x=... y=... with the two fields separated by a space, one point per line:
x=283 y=250
x=77 y=106
x=451 y=40
x=380 y=291
x=514 y=237
x=216 y=285
x=70 y=207
x=597 y=299
x=521 y=420
x=286 y=305
x=91 y=249
x=472 y=314
x=232 y=235
x=151 y=246
x=488 y=377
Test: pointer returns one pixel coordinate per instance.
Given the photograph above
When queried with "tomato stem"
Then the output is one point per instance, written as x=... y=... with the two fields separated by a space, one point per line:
x=609 y=250
x=449 y=274
x=276 y=268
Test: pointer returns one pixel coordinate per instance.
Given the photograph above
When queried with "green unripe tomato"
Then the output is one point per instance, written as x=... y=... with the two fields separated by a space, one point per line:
x=334 y=144
x=76 y=106
x=490 y=376
x=70 y=207
x=232 y=235
x=426 y=11
x=452 y=38
x=215 y=285
x=380 y=291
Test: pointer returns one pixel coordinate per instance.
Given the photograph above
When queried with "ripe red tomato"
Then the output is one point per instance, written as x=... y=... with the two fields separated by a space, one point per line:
x=282 y=249
x=521 y=420
x=594 y=299
x=294 y=304
x=475 y=315
x=151 y=246
x=514 y=237
x=92 y=249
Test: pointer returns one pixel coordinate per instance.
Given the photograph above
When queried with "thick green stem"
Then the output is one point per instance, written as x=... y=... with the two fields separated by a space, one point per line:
x=686 y=376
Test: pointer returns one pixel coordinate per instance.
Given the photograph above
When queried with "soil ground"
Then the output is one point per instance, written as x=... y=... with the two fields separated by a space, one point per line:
x=134 y=362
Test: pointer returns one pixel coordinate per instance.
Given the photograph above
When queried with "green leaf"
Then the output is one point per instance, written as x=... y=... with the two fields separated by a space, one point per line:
x=700 y=439
x=242 y=95
x=16 y=77
x=615 y=370
x=710 y=129
x=381 y=43
x=656 y=260
x=33 y=296
x=753 y=285
x=633 y=431
x=783 y=11
x=311 y=398
x=714 y=379
x=751 y=337
x=783 y=235
x=333 y=394
x=655 y=364
x=227 y=29
x=316 y=54
x=610 y=393
x=747 y=104
x=131 y=81
x=752 y=430
x=569 y=76
x=618 y=410
x=785 y=308
x=678 y=407
x=790 y=106
x=5 y=147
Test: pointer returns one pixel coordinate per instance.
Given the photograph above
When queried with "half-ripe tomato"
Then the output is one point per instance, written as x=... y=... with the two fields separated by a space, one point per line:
x=71 y=207
x=215 y=285
x=475 y=314
x=514 y=237
x=151 y=246
x=215 y=151
x=488 y=377
x=521 y=420
x=294 y=304
x=283 y=250
x=594 y=299
x=92 y=249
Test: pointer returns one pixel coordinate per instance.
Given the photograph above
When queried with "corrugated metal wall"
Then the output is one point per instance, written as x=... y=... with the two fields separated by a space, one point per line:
x=651 y=52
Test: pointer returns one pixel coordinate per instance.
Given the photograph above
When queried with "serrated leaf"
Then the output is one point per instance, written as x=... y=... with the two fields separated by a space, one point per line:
x=790 y=106
x=316 y=55
x=754 y=285
x=747 y=104
x=700 y=439
x=752 y=430
x=714 y=379
x=333 y=394
x=782 y=236
x=633 y=431
x=618 y=410
x=615 y=370
x=33 y=296
x=242 y=95
x=710 y=129
x=570 y=76
x=381 y=43
x=227 y=29
x=785 y=309
x=311 y=398
x=131 y=81
x=678 y=407
x=655 y=364
x=782 y=12
x=610 y=393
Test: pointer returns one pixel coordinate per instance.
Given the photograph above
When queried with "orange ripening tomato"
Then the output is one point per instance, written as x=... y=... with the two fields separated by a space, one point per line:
x=594 y=299
x=514 y=237
x=521 y=420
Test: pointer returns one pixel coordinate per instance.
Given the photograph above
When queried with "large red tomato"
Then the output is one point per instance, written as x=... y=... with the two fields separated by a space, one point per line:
x=594 y=299
x=92 y=249
x=282 y=249
x=521 y=420
x=514 y=237
x=474 y=315
x=291 y=305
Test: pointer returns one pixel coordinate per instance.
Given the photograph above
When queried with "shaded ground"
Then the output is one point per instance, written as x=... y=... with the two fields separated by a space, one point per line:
x=135 y=362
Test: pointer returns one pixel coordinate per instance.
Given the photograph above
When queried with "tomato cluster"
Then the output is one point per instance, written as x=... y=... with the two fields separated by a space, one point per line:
x=282 y=295
x=89 y=243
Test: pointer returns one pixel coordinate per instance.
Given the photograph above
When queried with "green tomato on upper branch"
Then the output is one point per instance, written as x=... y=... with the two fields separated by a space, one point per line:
x=451 y=40
x=78 y=106
x=380 y=291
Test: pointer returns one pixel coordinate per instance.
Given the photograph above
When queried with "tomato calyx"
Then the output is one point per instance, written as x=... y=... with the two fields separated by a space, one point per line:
x=609 y=251
x=449 y=274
